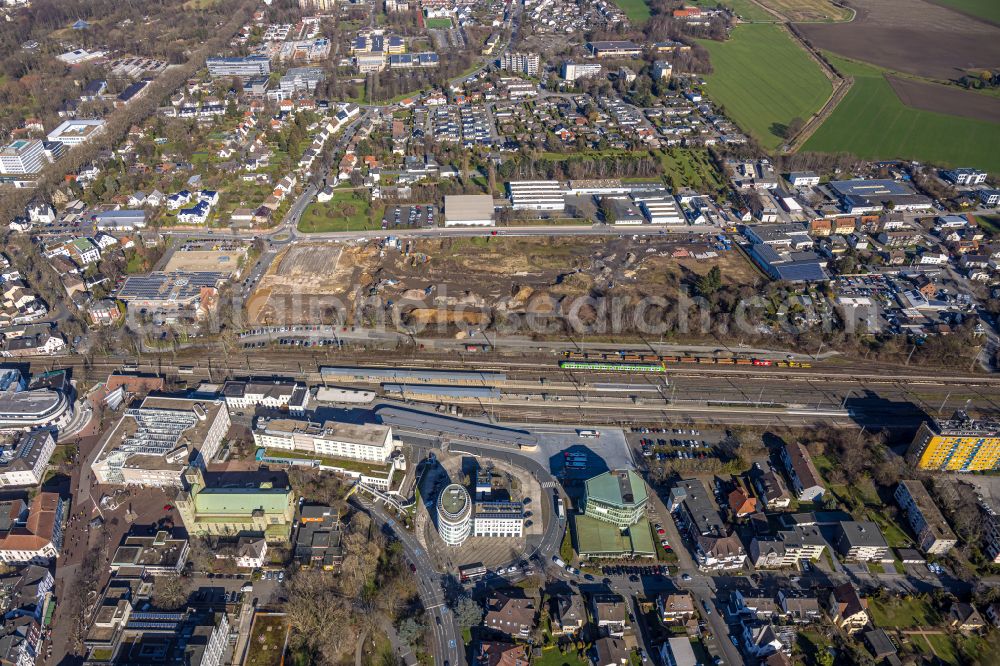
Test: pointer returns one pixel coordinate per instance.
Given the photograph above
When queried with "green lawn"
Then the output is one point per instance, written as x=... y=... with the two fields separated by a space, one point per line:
x=345 y=212
x=810 y=644
x=438 y=23
x=637 y=11
x=990 y=224
x=902 y=614
x=552 y=657
x=987 y=9
x=872 y=123
x=691 y=168
x=763 y=79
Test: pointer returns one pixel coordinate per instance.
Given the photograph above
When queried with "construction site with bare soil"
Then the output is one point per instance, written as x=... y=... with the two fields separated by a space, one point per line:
x=466 y=283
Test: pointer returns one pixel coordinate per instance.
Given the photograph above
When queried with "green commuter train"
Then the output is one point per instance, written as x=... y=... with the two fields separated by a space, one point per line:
x=611 y=366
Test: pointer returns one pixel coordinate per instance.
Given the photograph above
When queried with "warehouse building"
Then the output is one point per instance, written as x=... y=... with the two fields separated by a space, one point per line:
x=660 y=209
x=537 y=195
x=468 y=210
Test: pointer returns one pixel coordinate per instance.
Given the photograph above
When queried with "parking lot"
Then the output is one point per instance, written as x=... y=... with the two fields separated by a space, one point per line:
x=663 y=443
x=408 y=216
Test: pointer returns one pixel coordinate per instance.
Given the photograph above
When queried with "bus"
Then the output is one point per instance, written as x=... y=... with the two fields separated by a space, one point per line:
x=590 y=434
x=561 y=508
x=470 y=572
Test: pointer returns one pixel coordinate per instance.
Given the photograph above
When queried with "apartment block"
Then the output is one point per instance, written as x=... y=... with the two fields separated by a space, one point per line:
x=959 y=444
x=934 y=535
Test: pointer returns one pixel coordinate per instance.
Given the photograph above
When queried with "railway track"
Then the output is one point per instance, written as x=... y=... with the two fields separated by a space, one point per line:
x=206 y=365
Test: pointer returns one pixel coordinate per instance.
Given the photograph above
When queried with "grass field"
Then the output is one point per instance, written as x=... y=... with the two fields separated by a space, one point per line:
x=438 y=23
x=809 y=10
x=987 y=9
x=764 y=80
x=902 y=614
x=637 y=11
x=344 y=212
x=691 y=168
x=553 y=657
x=871 y=122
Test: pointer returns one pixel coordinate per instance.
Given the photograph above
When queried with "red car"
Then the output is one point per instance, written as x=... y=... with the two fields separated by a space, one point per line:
x=168 y=507
x=661 y=531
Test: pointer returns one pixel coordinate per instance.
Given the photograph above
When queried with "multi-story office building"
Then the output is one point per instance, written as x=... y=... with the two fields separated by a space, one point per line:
x=77 y=131
x=960 y=444
x=154 y=555
x=370 y=441
x=933 y=533
x=152 y=445
x=574 y=71
x=454 y=515
x=277 y=394
x=498 y=519
x=244 y=67
x=22 y=157
x=618 y=497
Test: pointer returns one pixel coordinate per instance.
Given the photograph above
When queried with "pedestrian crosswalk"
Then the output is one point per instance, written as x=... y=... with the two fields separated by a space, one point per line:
x=548 y=484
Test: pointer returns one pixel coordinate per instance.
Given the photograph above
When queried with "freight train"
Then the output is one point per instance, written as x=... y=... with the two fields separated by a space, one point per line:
x=633 y=358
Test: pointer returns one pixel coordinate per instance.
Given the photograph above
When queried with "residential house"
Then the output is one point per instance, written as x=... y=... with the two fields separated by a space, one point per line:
x=806 y=481
x=197 y=214
x=759 y=639
x=510 y=613
x=178 y=200
x=770 y=488
x=861 y=541
x=965 y=618
x=799 y=609
x=610 y=651
x=788 y=548
x=497 y=653
x=848 y=610
x=675 y=608
x=609 y=614
x=741 y=504
x=753 y=606
x=568 y=613
x=250 y=552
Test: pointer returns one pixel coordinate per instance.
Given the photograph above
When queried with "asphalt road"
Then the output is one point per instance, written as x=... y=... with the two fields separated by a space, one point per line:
x=448 y=647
